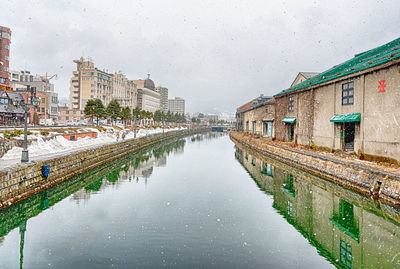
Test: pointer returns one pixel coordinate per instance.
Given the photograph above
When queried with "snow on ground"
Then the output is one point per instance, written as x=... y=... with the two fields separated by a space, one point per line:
x=60 y=145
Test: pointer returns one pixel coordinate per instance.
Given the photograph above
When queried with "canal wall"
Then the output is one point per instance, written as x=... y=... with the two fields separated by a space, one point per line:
x=22 y=181
x=370 y=181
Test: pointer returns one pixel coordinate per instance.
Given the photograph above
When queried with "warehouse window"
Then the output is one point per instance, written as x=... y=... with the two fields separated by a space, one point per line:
x=291 y=104
x=348 y=93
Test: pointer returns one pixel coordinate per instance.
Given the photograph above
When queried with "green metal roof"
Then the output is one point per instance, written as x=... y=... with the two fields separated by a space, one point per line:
x=289 y=120
x=360 y=62
x=346 y=118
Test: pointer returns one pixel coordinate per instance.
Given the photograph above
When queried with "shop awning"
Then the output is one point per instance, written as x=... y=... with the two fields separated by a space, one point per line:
x=289 y=120
x=346 y=117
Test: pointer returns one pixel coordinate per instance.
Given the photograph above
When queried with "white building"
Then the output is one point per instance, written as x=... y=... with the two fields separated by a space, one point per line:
x=148 y=100
x=147 y=97
x=176 y=105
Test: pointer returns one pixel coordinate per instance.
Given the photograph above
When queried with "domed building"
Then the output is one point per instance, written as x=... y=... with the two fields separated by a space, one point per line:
x=145 y=83
x=147 y=98
x=149 y=84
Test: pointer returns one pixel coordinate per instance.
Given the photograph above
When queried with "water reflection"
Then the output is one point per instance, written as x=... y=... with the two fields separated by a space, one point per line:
x=349 y=230
x=135 y=166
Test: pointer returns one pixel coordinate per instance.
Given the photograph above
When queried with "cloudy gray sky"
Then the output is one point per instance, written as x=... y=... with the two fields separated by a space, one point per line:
x=215 y=54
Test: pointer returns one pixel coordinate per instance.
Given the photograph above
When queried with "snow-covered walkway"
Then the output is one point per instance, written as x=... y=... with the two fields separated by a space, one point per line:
x=58 y=146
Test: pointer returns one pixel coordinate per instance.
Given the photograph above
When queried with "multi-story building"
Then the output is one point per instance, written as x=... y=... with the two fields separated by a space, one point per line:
x=5 y=41
x=20 y=80
x=147 y=98
x=89 y=82
x=211 y=118
x=176 y=105
x=124 y=91
x=163 y=98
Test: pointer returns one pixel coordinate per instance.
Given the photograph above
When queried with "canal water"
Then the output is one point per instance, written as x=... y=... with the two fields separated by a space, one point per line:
x=199 y=202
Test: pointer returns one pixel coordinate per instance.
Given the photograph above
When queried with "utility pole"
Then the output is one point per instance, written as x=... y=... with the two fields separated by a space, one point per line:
x=45 y=96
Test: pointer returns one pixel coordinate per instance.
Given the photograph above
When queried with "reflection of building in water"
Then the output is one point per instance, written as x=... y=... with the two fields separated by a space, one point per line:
x=128 y=173
x=145 y=167
x=81 y=194
x=157 y=157
x=161 y=161
x=330 y=217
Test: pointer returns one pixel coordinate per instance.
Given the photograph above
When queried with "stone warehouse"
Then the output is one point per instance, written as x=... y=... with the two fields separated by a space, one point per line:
x=257 y=116
x=353 y=106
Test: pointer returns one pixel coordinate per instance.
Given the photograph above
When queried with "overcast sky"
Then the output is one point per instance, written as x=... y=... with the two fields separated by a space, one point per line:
x=215 y=54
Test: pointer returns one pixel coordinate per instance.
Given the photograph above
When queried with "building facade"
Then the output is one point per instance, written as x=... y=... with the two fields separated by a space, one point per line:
x=163 y=98
x=352 y=107
x=21 y=80
x=9 y=113
x=257 y=116
x=176 y=105
x=147 y=98
x=5 y=41
x=89 y=82
x=67 y=115
x=124 y=91
x=259 y=119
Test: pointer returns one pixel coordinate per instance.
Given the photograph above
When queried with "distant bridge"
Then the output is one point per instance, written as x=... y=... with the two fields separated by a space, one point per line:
x=222 y=128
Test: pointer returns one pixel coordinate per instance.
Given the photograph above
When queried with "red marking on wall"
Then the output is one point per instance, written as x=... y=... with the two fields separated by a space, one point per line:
x=382 y=85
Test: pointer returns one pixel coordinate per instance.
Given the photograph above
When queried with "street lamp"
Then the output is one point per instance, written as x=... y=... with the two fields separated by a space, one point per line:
x=25 y=106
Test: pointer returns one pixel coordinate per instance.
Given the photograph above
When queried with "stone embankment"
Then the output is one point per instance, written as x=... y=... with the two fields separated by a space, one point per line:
x=378 y=183
x=22 y=181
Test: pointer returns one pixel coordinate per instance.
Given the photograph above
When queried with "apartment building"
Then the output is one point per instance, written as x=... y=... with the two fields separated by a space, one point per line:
x=5 y=41
x=89 y=82
x=163 y=98
x=176 y=105
x=124 y=91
